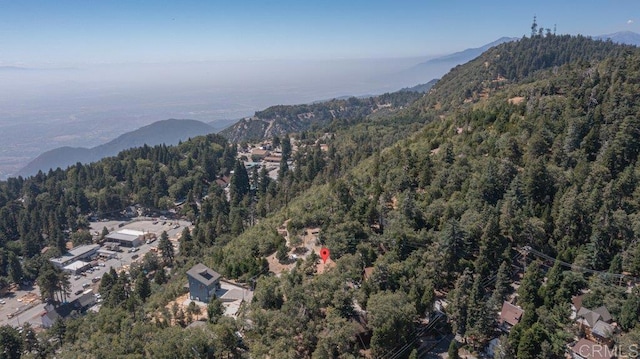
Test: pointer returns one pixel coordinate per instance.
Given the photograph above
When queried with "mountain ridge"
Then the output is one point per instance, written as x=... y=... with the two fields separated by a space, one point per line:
x=169 y=132
x=621 y=37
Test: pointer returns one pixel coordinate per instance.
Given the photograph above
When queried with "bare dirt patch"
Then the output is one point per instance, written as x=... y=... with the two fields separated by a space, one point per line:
x=300 y=247
x=183 y=302
x=323 y=267
x=516 y=100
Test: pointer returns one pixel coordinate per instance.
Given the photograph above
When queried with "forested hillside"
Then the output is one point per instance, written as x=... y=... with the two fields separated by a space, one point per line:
x=534 y=144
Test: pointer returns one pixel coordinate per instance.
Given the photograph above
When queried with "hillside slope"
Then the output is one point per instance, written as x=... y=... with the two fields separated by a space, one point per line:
x=438 y=200
x=169 y=132
x=547 y=159
x=281 y=120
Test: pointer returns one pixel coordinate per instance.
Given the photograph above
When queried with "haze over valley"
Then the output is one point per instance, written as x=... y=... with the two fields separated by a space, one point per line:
x=43 y=108
x=46 y=108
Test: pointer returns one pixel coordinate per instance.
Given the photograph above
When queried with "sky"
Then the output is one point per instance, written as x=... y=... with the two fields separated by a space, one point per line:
x=71 y=32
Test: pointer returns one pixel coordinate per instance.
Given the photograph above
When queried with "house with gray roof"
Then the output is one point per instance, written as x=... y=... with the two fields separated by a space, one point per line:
x=203 y=282
x=597 y=324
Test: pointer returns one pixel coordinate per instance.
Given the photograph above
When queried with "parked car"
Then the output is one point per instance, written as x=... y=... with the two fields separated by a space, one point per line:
x=85 y=285
x=78 y=292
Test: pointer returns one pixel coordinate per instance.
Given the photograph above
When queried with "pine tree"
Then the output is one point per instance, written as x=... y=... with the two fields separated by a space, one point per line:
x=15 y=268
x=143 y=287
x=630 y=311
x=530 y=285
x=457 y=310
x=239 y=185
x=452 y=240
x=502 y=287
x=160 y=277
x=479 y=319
x=453 y=350
x=107 y=283
x=166 y=248
x=215 y=309
x=554 y=281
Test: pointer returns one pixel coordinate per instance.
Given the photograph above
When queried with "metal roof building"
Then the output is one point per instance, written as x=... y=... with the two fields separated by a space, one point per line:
x=126 y=238
x=77 y=253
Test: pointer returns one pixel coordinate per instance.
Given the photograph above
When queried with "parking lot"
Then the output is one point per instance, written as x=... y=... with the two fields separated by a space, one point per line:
x=27 y=301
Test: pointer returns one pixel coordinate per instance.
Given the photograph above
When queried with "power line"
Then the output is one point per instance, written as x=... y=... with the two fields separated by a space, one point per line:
x=575 y=268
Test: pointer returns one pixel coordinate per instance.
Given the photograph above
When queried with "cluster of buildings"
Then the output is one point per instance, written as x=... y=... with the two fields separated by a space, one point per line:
x=81 y=258
x=596 y=328
x=77 y=259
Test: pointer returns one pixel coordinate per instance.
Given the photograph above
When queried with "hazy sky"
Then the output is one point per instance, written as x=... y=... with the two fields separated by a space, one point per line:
x=67 y=32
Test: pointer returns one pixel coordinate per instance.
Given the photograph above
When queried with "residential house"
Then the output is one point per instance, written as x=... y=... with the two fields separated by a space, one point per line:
x=597 y=324
x=586 y=349
x=259 y=154
x=67 y=310
x=203 y=282
x=222 y=182
x=509 y=316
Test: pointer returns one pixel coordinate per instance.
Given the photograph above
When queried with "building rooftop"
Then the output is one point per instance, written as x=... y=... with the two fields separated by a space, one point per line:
x=510 y=313
x=604 y=314
x=131 y=232
x=577 y=301
x=122 y=236
x=203 y=274
x=602 y=329
x=62 y=259
x=75 y=253
x=591 y=317
x=80 y=250
x=587 y=349
x=76 y=265
x=231 y=294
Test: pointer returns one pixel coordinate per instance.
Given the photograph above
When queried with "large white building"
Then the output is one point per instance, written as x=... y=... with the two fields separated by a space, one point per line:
x=75 y=254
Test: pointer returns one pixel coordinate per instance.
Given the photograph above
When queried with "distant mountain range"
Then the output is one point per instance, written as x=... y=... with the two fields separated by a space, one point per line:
x=465 y=55
x=169 y=132
x=172 y=131
x=622 y=37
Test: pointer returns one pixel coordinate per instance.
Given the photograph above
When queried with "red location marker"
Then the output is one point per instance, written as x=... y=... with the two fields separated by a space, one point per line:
x=324 y=253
